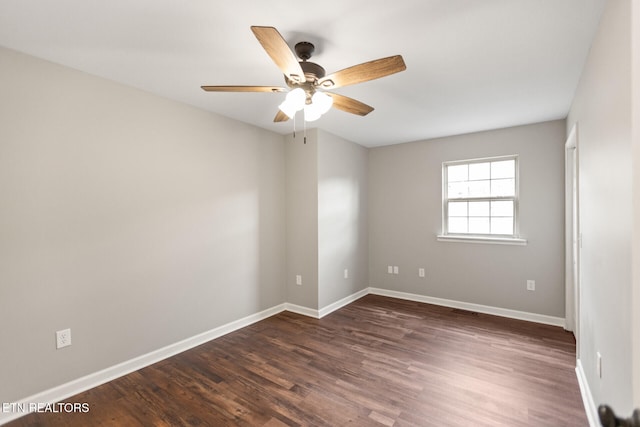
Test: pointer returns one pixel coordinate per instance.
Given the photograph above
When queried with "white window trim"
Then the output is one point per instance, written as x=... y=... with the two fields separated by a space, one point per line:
x=471 y=238
x=516 y=239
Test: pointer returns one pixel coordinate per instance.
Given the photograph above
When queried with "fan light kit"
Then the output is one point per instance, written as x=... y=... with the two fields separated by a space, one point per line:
x=306 y=78
x=296 y=100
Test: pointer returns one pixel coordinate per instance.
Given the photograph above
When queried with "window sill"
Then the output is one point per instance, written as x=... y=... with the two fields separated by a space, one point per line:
x=482 y=239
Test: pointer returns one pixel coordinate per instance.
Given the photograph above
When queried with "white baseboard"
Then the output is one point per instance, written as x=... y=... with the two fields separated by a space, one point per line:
x=587 y=397
x=305 y=311
x=341 y=303
x=496 y=311
x=95 y=379
x=319 y=314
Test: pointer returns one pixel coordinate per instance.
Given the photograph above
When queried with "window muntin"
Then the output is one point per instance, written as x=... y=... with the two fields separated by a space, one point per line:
x=481 y=197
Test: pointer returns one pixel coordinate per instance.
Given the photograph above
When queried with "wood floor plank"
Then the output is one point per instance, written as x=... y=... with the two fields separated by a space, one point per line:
x=376 y=362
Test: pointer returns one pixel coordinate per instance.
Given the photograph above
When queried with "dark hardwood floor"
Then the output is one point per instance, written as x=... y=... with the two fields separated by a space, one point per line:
x=378 y=361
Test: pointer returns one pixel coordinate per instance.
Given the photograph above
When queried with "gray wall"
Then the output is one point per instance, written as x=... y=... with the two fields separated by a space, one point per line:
x=342 y=218
x=406 y=215
x=327 y=188
x=133 y=220
x=602 y=109
x=302 y=219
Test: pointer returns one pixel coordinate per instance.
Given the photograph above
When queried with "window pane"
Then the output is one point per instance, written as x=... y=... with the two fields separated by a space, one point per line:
x=457 y=173
x=502 y=225
x=457 y=209
x=481 y=197
x=503 y=187
x=479 y=225
x=503 y=169
x=457 y=225
x=479 y=171
x=456 y=190
x=479 y=188
x=479 y=209
x=502 y=208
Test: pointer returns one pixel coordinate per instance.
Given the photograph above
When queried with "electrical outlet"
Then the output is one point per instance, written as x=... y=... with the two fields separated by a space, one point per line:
x=389 y=269
x=531 y=285
x=298 y=279
x=346 y=273
x=396 y=270
x=63 y=338
x=421 y=272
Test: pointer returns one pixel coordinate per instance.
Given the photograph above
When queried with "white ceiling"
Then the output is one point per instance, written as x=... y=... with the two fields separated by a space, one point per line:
x=471 y=64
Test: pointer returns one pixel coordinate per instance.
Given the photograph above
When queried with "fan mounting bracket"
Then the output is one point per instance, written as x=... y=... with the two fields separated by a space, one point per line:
x=304 y=50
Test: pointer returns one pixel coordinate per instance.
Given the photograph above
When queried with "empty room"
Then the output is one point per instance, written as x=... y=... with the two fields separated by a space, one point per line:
x=248 y=213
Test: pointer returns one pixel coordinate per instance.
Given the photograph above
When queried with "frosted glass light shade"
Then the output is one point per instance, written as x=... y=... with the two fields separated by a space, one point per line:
x=288 y=109
x=322 y=101
x=296 y=98
x=294 y=101
x=311 y=112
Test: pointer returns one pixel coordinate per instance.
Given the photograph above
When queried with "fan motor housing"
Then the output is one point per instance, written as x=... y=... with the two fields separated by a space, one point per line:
x=311 y=69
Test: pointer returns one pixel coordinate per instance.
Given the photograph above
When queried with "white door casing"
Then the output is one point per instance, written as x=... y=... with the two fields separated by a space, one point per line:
x=572 y=237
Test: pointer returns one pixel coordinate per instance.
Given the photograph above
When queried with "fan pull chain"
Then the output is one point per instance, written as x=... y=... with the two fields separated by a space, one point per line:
x=305 y=131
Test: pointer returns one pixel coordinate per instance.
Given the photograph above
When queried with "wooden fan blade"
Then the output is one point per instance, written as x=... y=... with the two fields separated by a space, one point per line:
x=364 y=72
x=242 y=88
x=350 y=105
x=280 y=117
x=276 y=46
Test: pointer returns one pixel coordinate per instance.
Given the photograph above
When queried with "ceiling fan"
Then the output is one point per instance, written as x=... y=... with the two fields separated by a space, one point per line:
x=308 y=81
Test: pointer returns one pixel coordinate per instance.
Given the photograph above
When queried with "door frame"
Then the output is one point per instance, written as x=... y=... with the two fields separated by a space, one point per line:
x=572 y=236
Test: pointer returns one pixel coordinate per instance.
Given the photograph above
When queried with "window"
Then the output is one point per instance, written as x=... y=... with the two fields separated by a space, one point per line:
x=480 y=199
